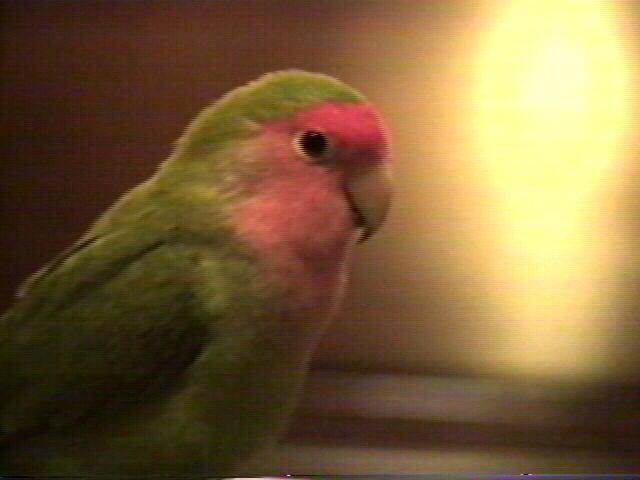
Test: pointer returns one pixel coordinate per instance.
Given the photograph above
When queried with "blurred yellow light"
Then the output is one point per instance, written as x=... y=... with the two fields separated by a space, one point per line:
x=551 y=119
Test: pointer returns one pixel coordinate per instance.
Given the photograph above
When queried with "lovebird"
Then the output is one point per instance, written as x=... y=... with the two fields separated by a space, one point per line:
x=174 y=336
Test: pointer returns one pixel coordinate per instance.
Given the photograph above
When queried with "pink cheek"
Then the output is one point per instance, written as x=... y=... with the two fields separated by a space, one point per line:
x=274 y=151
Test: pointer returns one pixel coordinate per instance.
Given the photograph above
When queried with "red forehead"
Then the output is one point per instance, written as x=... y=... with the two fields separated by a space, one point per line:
x=356 y=126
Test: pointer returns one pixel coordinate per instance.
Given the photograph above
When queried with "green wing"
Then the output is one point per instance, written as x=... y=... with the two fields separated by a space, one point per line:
x=103 y=325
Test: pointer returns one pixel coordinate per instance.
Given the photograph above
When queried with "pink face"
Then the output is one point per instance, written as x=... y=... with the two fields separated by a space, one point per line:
x=355 y=138
x=323 y=175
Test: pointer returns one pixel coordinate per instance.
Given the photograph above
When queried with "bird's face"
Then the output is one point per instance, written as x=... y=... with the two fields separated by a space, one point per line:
x=347 y=142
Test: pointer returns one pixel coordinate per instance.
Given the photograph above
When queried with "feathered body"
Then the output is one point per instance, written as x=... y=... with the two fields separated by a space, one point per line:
x=173 y=337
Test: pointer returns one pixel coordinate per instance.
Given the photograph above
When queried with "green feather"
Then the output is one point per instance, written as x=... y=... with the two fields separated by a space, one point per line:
x=273 y=96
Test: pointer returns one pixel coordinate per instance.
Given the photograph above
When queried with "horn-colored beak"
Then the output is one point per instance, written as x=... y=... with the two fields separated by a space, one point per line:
x=369 y=195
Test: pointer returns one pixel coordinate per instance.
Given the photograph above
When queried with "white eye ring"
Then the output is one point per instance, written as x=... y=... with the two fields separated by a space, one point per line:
x=312 y=144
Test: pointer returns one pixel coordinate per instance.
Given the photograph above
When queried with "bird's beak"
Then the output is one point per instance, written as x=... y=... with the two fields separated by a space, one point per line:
x=369 y=195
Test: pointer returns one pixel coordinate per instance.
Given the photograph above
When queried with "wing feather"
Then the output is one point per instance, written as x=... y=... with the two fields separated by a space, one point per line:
x=100 y=327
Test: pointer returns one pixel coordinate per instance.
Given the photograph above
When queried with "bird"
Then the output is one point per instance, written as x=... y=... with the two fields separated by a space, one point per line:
x=174 y=336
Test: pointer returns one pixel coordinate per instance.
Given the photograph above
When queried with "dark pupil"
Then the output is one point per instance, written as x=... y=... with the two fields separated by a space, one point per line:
x=313 y=143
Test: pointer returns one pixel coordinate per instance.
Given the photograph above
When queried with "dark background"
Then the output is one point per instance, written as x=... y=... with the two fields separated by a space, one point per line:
x=438 y=362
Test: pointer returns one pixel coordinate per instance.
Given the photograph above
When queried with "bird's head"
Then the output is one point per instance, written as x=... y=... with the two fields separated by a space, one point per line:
x=296 y=129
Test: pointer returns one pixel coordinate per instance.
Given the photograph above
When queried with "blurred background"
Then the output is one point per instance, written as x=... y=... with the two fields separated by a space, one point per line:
x=492 y=325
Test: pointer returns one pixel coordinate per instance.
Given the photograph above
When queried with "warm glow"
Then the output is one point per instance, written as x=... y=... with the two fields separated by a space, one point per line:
x=551 y=120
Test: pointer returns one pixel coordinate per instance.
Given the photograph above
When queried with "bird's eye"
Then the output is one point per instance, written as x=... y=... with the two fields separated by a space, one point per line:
x=312 y=144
